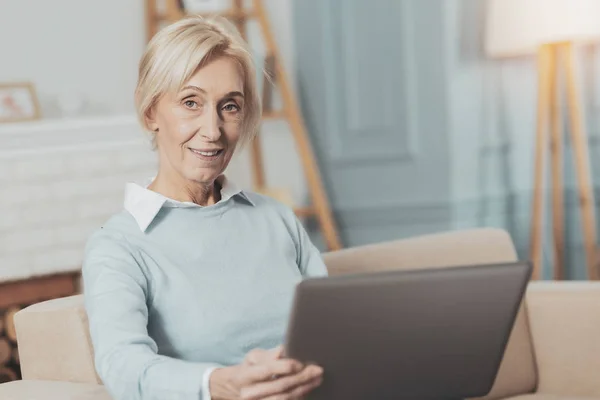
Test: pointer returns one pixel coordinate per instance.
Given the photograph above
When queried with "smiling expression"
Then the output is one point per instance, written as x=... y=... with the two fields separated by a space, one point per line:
x=198 y=127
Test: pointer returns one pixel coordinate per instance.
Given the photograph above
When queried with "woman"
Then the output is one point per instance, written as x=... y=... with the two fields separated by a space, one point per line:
x=187 y=284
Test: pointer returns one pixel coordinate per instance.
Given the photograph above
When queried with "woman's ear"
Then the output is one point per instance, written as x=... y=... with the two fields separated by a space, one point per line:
x=151 y=119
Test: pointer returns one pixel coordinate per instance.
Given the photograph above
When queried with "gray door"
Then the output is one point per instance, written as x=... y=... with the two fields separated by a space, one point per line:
x=372 y=89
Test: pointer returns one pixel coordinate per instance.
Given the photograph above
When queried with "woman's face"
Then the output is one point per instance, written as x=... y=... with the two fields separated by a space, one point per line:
x=199 y=127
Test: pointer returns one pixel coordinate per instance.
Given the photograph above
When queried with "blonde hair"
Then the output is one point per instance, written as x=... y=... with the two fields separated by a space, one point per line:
x=177 y=51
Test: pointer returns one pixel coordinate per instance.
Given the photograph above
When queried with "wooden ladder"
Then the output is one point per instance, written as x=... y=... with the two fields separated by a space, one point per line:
x=320 y=207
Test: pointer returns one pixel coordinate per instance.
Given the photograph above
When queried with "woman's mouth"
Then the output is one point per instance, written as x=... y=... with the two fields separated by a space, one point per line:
x=206 y=154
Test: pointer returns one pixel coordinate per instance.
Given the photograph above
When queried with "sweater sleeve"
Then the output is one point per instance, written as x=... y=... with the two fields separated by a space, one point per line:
x=117 y=293
x=310 y=261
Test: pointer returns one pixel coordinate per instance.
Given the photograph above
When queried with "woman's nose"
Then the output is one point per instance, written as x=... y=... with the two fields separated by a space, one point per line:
x=212 y=129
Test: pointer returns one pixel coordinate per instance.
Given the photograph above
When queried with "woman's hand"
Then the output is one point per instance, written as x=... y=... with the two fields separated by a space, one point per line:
x=264 y=375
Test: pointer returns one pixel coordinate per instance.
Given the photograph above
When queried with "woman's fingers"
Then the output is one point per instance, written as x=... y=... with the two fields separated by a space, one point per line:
x=266 y=371
x=255 y=356
x=277 y=352
x=267 y=375
x=289 y=382
x=259 y=356
x=298 y=392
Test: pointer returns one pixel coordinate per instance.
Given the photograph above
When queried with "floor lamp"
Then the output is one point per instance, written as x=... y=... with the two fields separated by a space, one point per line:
x=550 y=29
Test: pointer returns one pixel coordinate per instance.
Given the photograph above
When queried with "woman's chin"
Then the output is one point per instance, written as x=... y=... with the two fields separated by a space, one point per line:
x=205 y=175
x=202 y=170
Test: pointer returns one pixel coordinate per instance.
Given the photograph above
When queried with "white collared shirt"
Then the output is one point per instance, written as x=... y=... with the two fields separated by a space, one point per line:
x=144 y=204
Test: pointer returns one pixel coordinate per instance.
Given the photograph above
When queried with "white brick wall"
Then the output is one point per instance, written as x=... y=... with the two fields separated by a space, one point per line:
x=59 y=181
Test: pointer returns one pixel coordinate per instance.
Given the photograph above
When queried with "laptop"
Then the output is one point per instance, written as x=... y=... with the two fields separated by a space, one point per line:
x=418 y=334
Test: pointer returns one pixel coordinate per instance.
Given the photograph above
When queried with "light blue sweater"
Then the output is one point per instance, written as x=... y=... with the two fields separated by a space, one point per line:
x=197 y=288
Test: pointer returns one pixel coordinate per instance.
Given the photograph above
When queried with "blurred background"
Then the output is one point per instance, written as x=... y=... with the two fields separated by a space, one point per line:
x=422 y=116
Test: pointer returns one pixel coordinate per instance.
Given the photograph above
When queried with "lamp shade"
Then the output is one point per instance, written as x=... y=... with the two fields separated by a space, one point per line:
x=519 y=27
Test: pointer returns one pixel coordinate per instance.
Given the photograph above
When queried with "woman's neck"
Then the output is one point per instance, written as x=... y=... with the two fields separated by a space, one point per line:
x=181 y=189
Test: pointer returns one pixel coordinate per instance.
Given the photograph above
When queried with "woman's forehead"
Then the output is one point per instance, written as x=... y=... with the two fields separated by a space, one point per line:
x=220 y=75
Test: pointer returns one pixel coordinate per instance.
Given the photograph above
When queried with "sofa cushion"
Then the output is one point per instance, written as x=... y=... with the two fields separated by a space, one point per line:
x=565 y=325
x=517 y=374
x=51 y=390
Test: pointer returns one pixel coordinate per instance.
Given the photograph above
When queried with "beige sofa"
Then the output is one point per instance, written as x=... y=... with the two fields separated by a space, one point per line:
x=553 y=352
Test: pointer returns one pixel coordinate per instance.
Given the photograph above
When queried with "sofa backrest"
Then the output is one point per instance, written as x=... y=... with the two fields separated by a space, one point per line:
x=517 y=374
x=54 y=342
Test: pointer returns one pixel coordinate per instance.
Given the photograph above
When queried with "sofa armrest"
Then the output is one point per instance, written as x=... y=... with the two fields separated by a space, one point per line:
x=54 y=342
x=51 y=390
x=565 y=327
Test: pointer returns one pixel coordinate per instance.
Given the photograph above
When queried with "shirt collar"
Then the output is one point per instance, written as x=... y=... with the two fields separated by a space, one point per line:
x=144 y=204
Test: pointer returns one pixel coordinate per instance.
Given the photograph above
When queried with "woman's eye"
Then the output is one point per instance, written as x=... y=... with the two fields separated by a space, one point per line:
x=190 y=104
x=231 y=107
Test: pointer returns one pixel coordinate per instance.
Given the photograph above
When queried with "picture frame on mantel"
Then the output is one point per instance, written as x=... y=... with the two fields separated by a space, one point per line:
x=18 y=102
